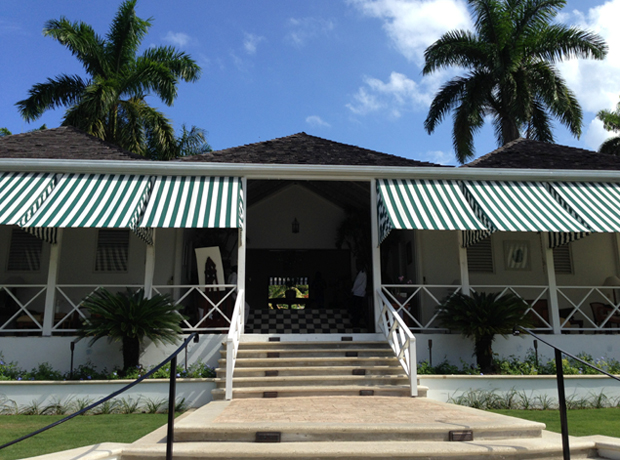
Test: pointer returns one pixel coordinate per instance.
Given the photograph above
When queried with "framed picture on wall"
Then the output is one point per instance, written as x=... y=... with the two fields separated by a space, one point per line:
x=517 y=255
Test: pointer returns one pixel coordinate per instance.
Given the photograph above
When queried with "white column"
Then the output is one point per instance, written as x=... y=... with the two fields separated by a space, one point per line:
x=465 y=286
x=616 y=241
x=52 y=279
x=178 y=262
x=376 y=250
x=554 y=309
x=149 y=268
x=241 y=249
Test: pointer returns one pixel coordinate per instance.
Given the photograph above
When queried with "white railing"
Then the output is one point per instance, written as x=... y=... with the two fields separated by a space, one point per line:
x=400 y=339
x=28 y=311
x=216 y=301
x=237 y=325
x=593 y=308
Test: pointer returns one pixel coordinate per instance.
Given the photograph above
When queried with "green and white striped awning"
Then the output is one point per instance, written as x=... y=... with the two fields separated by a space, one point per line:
x=21 y=194
x=93 y=201
x=597 y=204
x=195 y=202
x=423 y=205
x=520 y=207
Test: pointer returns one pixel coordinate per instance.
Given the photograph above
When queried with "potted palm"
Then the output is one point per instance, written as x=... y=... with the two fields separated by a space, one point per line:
x=130 y=317
x=481 y=316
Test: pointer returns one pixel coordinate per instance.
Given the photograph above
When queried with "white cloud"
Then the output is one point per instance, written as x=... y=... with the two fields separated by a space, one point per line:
x=596 y=83
x=179 y=39
x=250 y=42
x=304 y=29
x=316 y=121
x=439 y=157
x=413 y=25
x=595 y=134
x=396 y=95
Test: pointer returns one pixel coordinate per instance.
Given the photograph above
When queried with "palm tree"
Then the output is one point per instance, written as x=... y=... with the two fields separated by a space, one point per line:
x=129 y=317
x=611 y=122
x=192 y=141
x=510 y=72
x=481 y=316
x=5 y=132
x=110 y=102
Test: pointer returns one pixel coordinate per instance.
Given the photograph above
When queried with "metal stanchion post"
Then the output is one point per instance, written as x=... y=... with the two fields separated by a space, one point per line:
x=171 y=404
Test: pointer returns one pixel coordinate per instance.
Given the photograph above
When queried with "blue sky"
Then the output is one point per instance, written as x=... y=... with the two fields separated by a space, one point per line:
x=345 y=70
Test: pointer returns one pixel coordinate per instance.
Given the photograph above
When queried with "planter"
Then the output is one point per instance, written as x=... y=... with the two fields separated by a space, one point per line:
x=196 y=392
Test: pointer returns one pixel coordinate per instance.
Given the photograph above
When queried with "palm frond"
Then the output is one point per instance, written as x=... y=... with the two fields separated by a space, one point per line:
x=610 y=146
x=125 y=35
x=457 y=48
x=179 y=63
x=56 y=92
x=558 y=42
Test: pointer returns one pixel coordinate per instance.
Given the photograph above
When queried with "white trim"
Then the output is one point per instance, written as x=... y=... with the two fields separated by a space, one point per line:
x=301 y=172
x=149 y=267
x=554 y=309
x=242 y=246
x=52 y=280
x=376 y=251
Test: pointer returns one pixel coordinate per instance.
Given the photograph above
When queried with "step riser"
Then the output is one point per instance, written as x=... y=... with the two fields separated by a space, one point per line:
x=315 y=391
x=246 y=435
x=310 y=345
x=303 y=354
x=300 y=372
x=318 y=383
x=274 y=363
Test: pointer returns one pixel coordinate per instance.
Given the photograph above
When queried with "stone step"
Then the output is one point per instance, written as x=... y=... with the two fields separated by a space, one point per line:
x=314 y=380
x=361 y=361
x=284 y=352
x=314 y=344
x=315 y=390
x=546 y=447
x=312 y=370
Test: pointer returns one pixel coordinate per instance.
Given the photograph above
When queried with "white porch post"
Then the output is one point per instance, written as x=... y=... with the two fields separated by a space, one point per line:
x=52 y=279
x=465 y=286
x=376 y=250
x=178 y=263
x=554 y=309
x=149 y=268
x=241 y=249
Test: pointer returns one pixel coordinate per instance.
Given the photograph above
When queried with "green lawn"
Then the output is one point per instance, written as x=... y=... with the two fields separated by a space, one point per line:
x=77 y=432
x=582 y=422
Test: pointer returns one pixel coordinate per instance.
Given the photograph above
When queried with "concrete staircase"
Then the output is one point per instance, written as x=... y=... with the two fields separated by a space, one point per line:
x=328 y=368
x=357 y=428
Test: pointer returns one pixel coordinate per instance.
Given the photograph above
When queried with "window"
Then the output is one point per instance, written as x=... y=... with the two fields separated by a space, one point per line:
x=480 y=257
x=562 y=260
x=25 y=252
x=112 y=251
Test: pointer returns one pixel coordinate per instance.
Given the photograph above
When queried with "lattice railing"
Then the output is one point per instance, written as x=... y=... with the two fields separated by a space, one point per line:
x=23 y=308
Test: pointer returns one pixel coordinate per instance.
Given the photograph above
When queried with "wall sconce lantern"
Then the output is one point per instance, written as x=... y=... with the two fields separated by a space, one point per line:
x=295 y=225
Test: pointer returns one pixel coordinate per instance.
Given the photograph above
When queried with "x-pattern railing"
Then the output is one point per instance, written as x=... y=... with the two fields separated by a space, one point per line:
x=215 y=307
x=23 y=308
x=415 y=294
x=570 y=294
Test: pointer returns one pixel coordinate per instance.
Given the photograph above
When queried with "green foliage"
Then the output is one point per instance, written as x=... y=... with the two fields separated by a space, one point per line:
x=110 y=103
x=130 y=317
x=611 y=122
x=481 y=316
x=510 y=73
x=5 y=132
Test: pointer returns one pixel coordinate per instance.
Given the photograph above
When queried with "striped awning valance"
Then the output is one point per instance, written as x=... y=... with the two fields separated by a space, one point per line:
x=597 y=204
x=520 y=207
x=94 y=201
x=423 y=205
x=195 y=202
x=21 y=194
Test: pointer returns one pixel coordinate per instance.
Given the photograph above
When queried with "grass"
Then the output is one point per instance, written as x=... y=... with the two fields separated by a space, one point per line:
x=80 y=431
x=582 y=422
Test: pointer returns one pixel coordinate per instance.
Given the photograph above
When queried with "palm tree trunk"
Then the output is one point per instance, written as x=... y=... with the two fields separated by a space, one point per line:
x=484 y=353
x=131 y=353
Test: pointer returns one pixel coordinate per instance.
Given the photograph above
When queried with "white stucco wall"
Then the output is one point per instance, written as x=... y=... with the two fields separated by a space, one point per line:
x=28 y=352
x=269 y=221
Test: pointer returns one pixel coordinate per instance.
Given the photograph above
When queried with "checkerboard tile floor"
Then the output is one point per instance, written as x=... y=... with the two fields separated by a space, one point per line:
x=300 y=322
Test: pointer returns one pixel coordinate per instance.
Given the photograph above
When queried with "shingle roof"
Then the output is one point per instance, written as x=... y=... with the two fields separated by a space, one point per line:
x=529 y=154
x=64 y=143
x=302 y=148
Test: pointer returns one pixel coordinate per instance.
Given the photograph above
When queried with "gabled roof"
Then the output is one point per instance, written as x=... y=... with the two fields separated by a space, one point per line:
x=529 y=154
x=302 y=148
x=64 y=143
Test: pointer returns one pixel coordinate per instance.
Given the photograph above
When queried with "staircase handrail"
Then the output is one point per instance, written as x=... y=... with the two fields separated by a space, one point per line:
x=237 y=325
x=401 y=340
x=171 y=399
x=560 y=382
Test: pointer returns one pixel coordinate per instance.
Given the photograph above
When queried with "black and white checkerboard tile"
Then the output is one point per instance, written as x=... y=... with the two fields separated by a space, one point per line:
x=300 y=322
